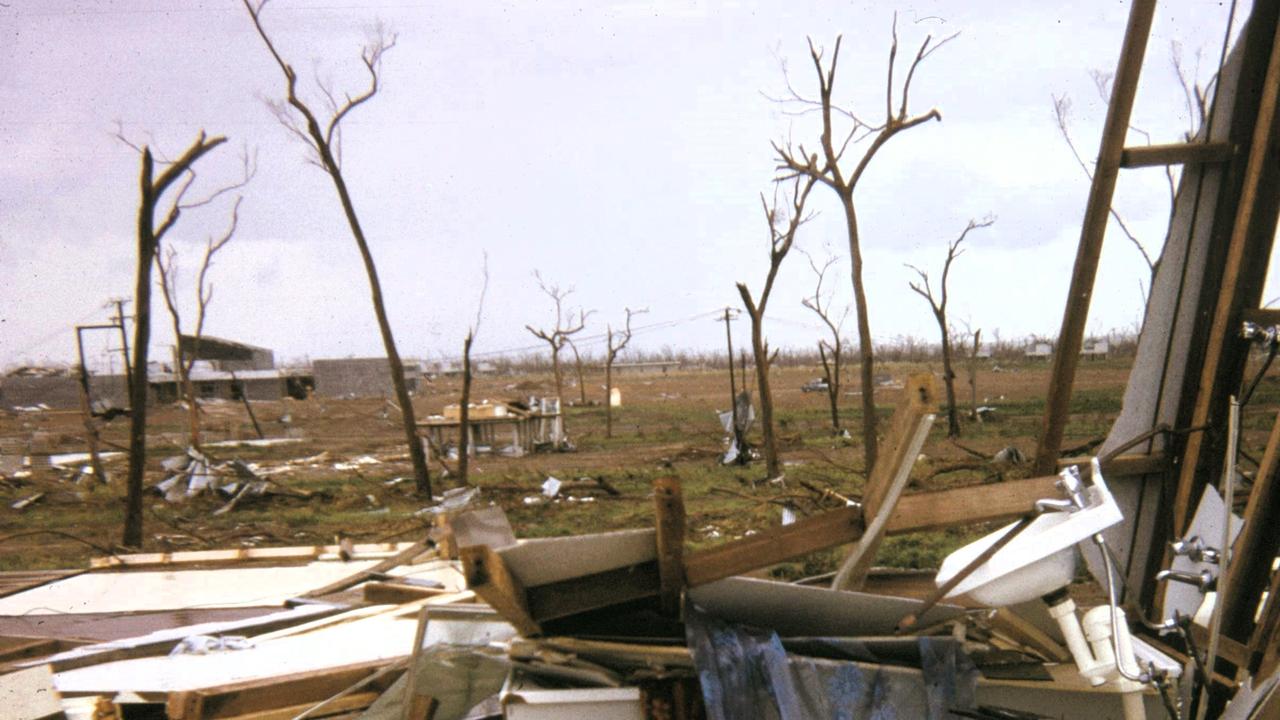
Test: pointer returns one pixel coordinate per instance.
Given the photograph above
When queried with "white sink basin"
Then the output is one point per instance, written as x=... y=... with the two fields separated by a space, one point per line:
x=1041 y=559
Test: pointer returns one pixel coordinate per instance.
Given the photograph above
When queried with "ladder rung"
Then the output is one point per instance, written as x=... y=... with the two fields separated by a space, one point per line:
x=1176 y=154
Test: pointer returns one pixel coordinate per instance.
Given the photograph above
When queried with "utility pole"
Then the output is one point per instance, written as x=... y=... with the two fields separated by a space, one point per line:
x=124 y=344
x=86 y=404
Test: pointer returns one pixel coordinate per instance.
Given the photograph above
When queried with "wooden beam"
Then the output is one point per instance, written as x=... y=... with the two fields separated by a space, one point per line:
x=489 y=577
x=774 y=545
x=668 y=501
x=907 y=432
x=1227 y=311
x=592 y=592
x=1261 y=316
x=1256 y=547
x=268 y=694
x=400 y=558
x=919 y=397
x=1121 y=466
x=1264 y=643
x=970 y=505
x=398 y=593
x=1176 y=154
x=1096 y=217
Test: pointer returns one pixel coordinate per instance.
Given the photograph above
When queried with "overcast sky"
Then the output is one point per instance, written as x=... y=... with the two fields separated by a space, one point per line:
x=617 y=147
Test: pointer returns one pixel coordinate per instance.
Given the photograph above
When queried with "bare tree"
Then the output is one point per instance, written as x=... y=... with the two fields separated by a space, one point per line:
x=783 y=223
x=577 y=368
x=615 y=342
x=973 y=339
x=325 y=142
x=464 y=411
x=563 y=329
x=156 y=216
x=830 y=352
x=843 y=179
x=938 y=305
x=168 y=282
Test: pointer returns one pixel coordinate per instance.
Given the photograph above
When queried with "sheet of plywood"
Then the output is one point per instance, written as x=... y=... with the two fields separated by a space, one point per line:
x=386 y=635
x=547 y=560
x=796 y=610
x=29 y=695
x=169 y=589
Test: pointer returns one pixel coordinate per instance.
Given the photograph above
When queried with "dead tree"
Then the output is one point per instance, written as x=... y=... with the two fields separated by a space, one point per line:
x=783 y=223
x=614 y=342
x=168 y=282
x=830 y=169
x=831 y=351
x=563 y=328
x=156 y=217
x=324 y=139
x=464 y=410
x=577 y=368
x=971 y=365
x=938 y=305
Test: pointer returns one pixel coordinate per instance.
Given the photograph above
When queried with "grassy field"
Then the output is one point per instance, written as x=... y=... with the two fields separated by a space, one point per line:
x=667 y=426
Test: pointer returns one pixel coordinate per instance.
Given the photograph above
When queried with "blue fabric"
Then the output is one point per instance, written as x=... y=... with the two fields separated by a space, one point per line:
x=745 y=674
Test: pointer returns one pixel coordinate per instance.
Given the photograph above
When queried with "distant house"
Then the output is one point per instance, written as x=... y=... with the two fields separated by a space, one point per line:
x=1095 y=350
x=1040 y=351
x=646 y=368
x=210 y=384
x=361 y=377
x=225 y=354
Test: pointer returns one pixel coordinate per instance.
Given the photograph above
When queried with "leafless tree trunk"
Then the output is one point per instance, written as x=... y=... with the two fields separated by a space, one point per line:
x=783 y=224
x=153 y=222
x=615 y=342
x=326 y=143
x=464 y=411
x=562 y=330
x=168 y=269
x=939 y=307
x=827 y=169
x=577 y=367
x=830 y=352
x=972 y=366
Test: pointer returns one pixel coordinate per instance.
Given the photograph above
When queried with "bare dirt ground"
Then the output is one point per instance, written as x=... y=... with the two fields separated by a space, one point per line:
x=348 y=454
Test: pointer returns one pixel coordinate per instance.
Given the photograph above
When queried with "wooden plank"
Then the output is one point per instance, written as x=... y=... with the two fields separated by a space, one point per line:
x=903 y=453
x=400 y=558
x=592 y=592
x=1096 y=217
x=1230 y=301
x=919 y=397
x=1121 y=466
x=257 y=696
x=971 y=504
x=1028 y=634
x=1256 y=547
x=240 y=556
x=774 y=545
x=1264 y=643
x=395 y=593
x=490 y=578
x=1261 y=316
x=1176 y=154
x=342 y=706
x=668 y=501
